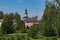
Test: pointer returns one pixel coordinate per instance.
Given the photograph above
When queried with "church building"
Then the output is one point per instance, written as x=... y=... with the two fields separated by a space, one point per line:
x=28 y=20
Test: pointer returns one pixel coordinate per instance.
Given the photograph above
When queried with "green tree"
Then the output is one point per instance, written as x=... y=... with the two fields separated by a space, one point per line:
x=12 y=15
x=58 y=2
x=33 y=31
x=58 y=20
x=20 y=26
x=1 y=14
x=17 y=16
x=48 y=19
x=58 y=16
x=7 y=25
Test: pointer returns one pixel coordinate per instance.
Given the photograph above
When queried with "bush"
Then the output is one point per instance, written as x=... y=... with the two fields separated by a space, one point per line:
x=48 y=38
x=12 y=38
x=1 y=38
x=23 y=36
x=51 y=38
x=33 y=31
x=54 y=38
x=18 y=37
x=9 y=38
x=4 y=38
x=20 y=26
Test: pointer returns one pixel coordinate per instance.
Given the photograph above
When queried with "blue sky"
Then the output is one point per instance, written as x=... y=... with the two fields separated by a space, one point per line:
x=35 y=7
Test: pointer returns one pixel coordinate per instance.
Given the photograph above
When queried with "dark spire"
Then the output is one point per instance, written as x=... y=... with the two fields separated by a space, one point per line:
x=26 y=14
x=26 y=11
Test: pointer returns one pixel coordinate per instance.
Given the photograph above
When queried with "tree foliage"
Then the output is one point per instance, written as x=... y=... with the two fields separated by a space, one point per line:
x=58 y=18
x=20 y=26
x=50 y=22
x=1 y=14
x=17 y=16
x=12 y=15
x=48 y=19
x=7 y=25
x=33 y=31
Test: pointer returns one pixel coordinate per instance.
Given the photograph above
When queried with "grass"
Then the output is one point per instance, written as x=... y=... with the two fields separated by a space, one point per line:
x=58 y=38
x=22 y=36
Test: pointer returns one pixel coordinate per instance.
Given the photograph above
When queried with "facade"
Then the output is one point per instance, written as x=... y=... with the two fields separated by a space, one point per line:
x=29 y=21
x=1 y=20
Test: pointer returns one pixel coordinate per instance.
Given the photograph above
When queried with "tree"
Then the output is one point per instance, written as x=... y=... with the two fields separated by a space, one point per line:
x=7 y=25
x=1 y=14
x=48 y=19
x=58 y=20
x=20 y=26
x=58 y=16
x=54 y=11
x=58 y=24
x=33 y=31
x=12 y=15
x=17 y=16
x=58 y=2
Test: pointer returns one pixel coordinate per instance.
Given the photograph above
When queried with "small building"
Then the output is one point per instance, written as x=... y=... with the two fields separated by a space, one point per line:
x=29 y=21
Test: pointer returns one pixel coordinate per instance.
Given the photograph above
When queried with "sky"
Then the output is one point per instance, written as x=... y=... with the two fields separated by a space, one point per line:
x=34 y=7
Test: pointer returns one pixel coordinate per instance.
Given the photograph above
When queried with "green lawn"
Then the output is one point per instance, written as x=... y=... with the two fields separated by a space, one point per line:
x=23 y=36
x=58 y=38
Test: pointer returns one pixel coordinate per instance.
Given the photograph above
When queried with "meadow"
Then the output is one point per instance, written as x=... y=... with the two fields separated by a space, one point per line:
x=23 y=36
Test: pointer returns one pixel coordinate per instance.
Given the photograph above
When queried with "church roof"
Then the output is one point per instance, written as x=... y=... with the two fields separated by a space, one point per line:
x=28 y=19
x=31 y=20
x=25 y=17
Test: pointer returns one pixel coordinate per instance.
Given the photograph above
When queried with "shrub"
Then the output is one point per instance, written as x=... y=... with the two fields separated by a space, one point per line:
x=9 y=39
x=54 y=38
x=4 y=38
x=18 y=37
x=51 y=38
x=23 y=36
x=1 y=38
x=33 y=31
x=12 y=38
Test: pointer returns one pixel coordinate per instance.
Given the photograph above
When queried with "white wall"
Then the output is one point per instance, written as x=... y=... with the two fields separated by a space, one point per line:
x=0 y=24
x=29 y=24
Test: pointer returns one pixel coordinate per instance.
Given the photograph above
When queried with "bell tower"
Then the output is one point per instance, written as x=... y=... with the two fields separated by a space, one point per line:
x=26 y=14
